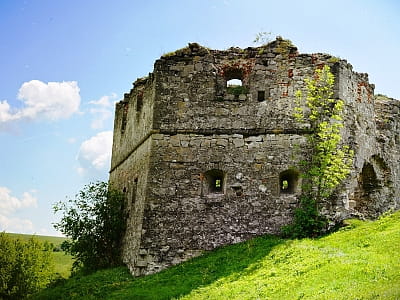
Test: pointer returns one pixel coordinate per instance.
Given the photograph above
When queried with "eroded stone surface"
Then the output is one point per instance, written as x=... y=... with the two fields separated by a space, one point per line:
x=204 y=164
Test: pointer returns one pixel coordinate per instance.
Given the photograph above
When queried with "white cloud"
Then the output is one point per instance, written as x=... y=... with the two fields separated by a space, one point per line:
x=11 y=224
x=102 y=110
x=5 y=114
x=95 y=153
x=51 y=101
x=105 y=101
x=10 y=204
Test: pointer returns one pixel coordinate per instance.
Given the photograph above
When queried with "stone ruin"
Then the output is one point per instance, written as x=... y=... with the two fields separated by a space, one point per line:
x=205 y=164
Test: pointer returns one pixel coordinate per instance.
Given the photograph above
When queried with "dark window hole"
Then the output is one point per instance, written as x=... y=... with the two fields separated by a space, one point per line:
x=261 y=96
x=288 y=181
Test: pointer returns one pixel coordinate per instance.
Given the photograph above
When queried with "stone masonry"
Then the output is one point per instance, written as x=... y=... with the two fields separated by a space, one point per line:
x=205 y=164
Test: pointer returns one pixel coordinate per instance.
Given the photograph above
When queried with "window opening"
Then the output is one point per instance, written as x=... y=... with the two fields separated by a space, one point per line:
x=124 y=117
x=234 y=82
x=261 y=96
x=139 y=101
x=236 y=88
x=288 y=181
x=215 y=181
x=369 y=179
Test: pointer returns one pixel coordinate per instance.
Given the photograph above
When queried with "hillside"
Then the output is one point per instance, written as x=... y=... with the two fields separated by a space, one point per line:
x=361 y=261
x=62 y=262
x=55 y=240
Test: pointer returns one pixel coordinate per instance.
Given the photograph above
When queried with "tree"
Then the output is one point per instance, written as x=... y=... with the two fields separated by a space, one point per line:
x=330 y=161
x=25 y=267
x=95 y=223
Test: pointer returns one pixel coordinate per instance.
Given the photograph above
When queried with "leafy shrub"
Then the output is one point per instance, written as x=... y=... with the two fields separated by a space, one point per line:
x=308 y=222
x=237 y=90
x=330 y=161
x=95 y=223
x=25 y=267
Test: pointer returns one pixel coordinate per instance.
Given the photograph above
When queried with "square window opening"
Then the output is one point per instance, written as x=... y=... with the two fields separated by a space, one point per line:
x=214 y=183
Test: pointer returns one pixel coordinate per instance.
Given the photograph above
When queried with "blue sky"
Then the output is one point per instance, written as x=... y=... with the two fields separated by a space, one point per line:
x=64 y=63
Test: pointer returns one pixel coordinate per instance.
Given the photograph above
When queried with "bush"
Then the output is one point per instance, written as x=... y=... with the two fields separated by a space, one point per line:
x=25 y=267
x=95 y=223
x=307 y=222
x=330 y=161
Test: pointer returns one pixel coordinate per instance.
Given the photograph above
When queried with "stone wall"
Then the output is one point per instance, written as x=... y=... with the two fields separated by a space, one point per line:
x=204 y=164
x=185 y=211
x=133 y=121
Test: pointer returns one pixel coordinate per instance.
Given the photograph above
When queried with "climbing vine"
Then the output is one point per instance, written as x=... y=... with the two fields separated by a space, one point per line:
x=330 y=160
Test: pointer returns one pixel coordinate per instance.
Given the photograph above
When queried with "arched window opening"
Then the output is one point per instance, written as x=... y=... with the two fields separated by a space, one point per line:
x=288 y=182
x=374 y=175
x=234 y=82
x=369 y=179
x=215 y=181
x=233 y=73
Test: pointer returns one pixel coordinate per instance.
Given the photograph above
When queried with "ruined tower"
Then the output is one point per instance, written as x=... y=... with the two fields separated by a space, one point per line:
x=205 y=163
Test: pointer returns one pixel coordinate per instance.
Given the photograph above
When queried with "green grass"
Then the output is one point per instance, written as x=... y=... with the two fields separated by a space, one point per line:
x=56 y=241
x=62 y=262
x=361 y=261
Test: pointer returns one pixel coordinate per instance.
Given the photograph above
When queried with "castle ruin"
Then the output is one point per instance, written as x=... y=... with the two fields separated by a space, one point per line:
x=205 y=164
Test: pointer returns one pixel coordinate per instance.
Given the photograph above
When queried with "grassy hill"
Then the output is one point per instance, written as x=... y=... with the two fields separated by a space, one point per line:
x=361 y=261
x=62 y=262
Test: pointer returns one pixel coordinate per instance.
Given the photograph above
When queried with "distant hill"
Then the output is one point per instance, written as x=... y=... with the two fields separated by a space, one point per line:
x=63 y=262
x=55 y=240
x=361 y=261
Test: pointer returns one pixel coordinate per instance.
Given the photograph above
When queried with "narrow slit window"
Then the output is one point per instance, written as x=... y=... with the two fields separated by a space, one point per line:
x=124 y=117
x=139 y=101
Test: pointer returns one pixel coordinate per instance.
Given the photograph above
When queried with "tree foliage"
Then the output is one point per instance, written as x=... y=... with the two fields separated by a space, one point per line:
x=330 y=161
x=25 y=267
x=95 y=223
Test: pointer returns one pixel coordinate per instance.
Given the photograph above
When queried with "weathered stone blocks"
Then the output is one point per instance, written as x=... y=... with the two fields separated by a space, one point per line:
x=202 y=167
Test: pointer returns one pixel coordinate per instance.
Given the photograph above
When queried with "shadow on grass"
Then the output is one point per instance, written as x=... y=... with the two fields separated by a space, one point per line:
x=180 y=280
x=229 y=261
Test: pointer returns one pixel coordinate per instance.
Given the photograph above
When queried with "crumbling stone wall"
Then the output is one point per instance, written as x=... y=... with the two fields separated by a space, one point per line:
x=204 y=164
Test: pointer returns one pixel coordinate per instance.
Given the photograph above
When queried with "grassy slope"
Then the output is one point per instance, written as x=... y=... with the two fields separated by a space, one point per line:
x=62 y=261
x=43 y=238
x=362 y=261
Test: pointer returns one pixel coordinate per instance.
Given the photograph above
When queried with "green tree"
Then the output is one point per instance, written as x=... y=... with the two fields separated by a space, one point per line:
x=95 y=223
x=330 y=161
x=25 y=267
